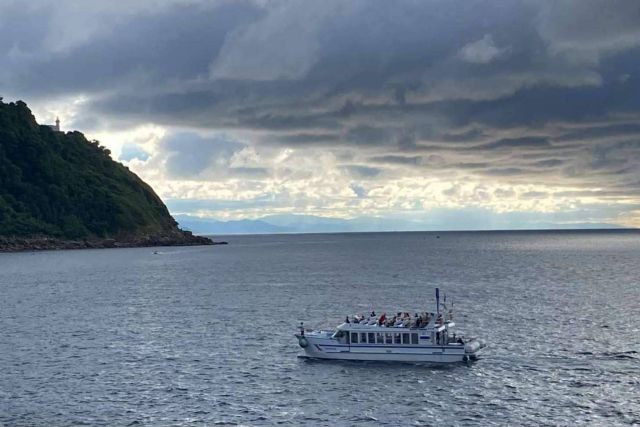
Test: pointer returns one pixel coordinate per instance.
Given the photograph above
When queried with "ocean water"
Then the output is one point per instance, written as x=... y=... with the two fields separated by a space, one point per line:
x=204 y=335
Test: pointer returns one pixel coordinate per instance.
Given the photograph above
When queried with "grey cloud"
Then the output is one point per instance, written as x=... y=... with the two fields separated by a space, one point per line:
x=473 y=165
x=175 y=44
x=465 y=136
x=534 y=195
x=505 y=171
x=515 y=143
x=397 y=160
x=133 y=151
x=359 y=191
x=249 y=172
x=502 y=89
x=307 y=138
x=550 y=163
x=617 y=28
x=504 y=193
x=368 y=135
x=481 y=51
x=188 y=155
x=597 y=132
x=361 y=171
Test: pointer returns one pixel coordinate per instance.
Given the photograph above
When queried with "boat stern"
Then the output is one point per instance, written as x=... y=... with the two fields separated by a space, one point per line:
x=473 y=347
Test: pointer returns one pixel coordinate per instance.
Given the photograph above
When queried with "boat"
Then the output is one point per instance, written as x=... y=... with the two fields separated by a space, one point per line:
x=424 y=337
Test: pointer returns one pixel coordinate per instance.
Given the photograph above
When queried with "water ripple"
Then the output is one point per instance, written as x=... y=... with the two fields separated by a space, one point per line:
x=203 y=336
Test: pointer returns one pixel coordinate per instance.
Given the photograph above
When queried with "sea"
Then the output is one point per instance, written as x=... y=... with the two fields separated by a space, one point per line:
x=204 y=336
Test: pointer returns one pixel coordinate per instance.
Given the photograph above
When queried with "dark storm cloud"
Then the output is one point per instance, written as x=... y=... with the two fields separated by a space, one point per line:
x=550 y=163
x=360 y=171
x=308 y=139
x=397 y=160
x=597 y=132
x=191 y=156
x=516 y=90
x=173 y=45
x=515 y=143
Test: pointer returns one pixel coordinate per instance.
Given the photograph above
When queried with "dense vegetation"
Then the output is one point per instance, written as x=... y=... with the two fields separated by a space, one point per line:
x=61 y=185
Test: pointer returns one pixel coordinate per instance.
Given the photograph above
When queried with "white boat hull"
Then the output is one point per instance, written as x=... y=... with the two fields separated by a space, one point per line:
x=327 y=348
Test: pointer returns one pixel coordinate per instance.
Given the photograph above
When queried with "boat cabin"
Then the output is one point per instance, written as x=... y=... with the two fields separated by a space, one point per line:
x=354 y=334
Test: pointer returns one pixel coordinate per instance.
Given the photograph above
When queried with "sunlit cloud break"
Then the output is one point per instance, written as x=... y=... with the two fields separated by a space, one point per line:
x=400 y=115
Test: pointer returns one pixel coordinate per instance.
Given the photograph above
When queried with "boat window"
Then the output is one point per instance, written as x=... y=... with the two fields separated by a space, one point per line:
x=380 y=338
x=389 y=339
x=405 y=339
x=363 y=337
x=396 y=338
x=414 y=338
x=354 y=337
x=372 y=338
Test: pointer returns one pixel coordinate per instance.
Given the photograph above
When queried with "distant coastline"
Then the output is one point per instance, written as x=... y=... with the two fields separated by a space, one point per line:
x=45 y=243
x=59 y=190
x=299 y=223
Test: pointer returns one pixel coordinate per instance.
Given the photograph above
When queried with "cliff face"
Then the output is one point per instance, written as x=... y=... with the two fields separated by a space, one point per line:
x=64 y=191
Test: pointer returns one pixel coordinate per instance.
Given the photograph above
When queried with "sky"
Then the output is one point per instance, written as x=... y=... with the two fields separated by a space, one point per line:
x=496 y=114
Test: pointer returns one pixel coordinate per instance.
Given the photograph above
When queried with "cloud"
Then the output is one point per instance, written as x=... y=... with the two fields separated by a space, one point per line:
x=133 y=151
x=481 y=51
x=189 y=155
x=361 y=171
x=347 y=107
x=263 y=51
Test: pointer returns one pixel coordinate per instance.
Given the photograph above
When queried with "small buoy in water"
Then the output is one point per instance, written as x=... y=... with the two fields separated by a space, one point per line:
x=437 y=237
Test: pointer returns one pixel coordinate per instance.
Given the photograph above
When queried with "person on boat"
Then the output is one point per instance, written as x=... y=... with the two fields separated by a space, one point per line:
x=373 y=314
x=382 y=318
x=347 y=320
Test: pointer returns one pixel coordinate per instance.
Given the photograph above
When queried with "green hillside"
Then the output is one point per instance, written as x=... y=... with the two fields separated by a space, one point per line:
x=62 y=186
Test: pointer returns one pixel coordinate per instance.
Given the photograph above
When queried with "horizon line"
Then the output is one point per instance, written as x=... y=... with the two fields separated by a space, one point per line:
x=517 y=230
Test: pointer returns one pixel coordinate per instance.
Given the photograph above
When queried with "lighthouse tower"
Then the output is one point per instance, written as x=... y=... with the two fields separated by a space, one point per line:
x=57 y=127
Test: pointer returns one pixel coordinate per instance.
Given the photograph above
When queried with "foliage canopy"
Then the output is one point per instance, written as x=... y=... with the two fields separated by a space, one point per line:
x=62 y=185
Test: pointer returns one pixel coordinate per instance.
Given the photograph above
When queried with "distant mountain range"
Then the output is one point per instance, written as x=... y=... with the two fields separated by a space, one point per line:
x=291 y=223
x=271 y=224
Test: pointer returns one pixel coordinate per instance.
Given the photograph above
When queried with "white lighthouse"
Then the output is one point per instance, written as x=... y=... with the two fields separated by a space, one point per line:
x=56 y=127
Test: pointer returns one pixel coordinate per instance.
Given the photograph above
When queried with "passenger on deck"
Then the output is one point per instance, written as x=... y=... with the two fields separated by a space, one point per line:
x=373 y=313
x=347 y=320
x=382 y=318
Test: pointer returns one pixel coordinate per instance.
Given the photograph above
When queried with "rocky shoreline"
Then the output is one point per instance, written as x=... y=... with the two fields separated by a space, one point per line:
x=44 y=243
